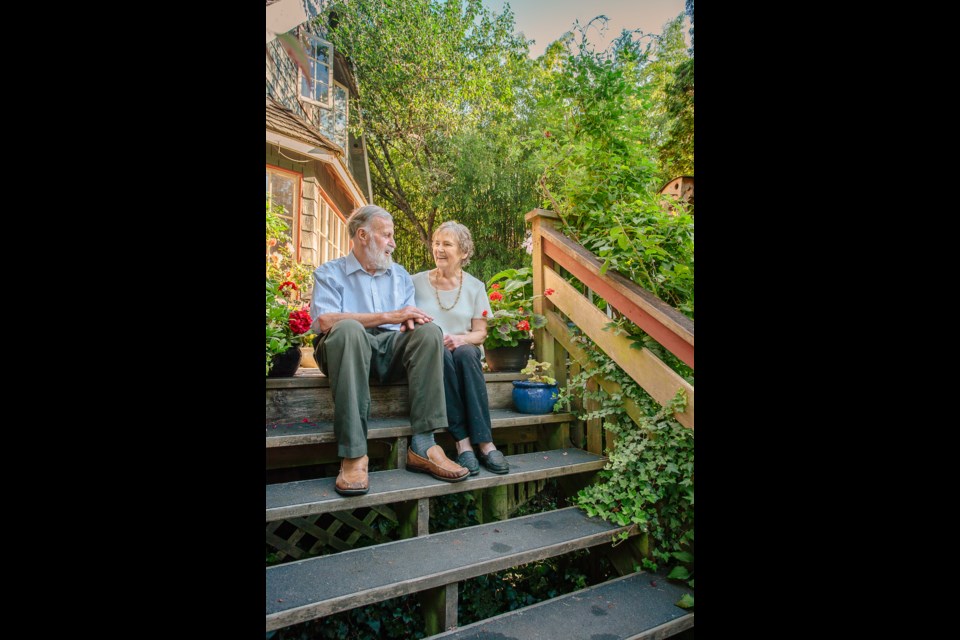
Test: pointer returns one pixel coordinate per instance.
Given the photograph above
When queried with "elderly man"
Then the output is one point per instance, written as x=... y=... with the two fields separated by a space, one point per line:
x=363 y=309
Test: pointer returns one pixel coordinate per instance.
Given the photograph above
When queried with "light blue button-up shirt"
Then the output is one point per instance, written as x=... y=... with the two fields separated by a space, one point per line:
x=343 y=286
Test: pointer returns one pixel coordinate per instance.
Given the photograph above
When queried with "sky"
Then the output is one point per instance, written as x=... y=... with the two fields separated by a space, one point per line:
x=546 y=20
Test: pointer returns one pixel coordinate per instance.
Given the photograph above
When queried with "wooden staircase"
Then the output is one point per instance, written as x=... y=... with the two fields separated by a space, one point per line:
x=299 y=432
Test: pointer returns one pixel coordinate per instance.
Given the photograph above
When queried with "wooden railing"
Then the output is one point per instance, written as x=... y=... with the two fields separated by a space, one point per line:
x=552 y=251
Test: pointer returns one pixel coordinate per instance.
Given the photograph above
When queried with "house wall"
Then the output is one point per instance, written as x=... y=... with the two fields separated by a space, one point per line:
x=282 y=86
x=318 y=182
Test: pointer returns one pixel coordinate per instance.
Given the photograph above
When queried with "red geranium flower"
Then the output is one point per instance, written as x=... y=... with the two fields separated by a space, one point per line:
x=300 y=322
x=284 y=285
x=495 y=286
x=523 y=325
x=496 y=296
x=549 y=292
x=484 y=313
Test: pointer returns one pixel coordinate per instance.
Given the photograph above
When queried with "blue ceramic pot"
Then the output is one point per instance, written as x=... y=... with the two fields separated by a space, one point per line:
x=534 y=397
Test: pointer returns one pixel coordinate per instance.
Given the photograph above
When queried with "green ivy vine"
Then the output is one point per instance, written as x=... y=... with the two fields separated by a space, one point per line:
x=648 y=480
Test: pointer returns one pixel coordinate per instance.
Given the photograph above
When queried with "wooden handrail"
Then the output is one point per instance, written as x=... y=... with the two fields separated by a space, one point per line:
x=663 y=323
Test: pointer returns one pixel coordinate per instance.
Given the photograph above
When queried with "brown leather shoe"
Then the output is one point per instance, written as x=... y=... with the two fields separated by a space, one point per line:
x=436 y=464
x=353 y=479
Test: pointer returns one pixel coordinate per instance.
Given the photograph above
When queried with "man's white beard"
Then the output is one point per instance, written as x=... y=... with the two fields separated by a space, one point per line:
x=378 y=255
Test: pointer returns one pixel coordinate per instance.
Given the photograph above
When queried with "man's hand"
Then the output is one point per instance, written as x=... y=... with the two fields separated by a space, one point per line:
x=452 y=342
x=408 y=318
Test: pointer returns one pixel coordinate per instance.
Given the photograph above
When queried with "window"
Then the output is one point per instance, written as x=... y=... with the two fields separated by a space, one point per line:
x=283 y=188
x=331 y=229
x=333 y=123
x=320 y=59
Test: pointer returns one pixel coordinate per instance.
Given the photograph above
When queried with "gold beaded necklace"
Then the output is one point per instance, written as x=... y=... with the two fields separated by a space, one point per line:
x=436 y=292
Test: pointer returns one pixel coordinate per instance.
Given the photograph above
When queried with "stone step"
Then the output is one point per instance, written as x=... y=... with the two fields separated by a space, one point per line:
x=316 y=587
x=307 y=395
x=640 y=605
x=288 y=434
x=311 y=497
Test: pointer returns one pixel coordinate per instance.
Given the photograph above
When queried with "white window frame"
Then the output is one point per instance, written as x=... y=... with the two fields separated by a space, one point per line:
x=294 y=217
x=331 y=231
x=312 y=40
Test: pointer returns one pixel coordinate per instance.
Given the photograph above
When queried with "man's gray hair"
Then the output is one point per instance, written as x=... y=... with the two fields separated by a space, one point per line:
x=361 y=217
x=464 y=239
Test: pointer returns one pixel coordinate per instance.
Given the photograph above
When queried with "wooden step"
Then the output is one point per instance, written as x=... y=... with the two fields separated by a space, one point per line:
x=310 y=497
x=307 y=395
x=299 y=433
x=316 y=587
x=640 y=605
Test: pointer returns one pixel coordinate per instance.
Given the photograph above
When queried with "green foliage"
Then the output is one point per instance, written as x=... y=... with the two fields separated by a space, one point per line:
x=453 y=511
x=602 y=169
x=670 y=112
x=439 y=87
x=493 y=185
x=396 y=618
x=537 y=372
x=489 y=595
x=594 y=146
x=648 y=480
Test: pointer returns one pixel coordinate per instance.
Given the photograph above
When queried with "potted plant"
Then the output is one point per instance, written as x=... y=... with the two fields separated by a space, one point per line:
x=287 y=324
x=538 y=393
x=287 y=314
x=510 y=326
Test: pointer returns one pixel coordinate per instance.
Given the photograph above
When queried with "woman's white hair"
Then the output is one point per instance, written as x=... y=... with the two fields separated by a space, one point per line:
x=463 y=237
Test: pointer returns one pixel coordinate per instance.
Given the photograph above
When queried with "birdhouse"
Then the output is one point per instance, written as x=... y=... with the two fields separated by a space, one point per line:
x=682 y=188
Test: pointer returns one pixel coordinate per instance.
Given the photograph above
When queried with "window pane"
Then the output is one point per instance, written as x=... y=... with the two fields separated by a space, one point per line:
x=283 y=190
x=340 y=96
x=322 y=74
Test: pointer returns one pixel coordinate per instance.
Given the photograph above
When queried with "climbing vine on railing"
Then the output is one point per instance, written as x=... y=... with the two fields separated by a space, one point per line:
x=648 y=481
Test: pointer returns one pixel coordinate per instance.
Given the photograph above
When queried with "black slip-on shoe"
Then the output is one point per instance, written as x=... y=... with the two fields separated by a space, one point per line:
x=468 y=461
x=495 y=462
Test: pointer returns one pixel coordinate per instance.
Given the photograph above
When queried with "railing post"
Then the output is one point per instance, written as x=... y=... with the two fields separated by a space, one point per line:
x=543 y=341
x=546 y=349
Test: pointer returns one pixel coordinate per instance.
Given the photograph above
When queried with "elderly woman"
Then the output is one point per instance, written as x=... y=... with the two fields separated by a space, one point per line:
x=458 y=303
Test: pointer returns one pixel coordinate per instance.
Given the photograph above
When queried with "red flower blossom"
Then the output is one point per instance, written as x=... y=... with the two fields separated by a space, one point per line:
x=299 y=322
x=287 y=283
x=523 y=325
x=549 y=292
x=484 y=313
x=496 y=296
x=495 y=286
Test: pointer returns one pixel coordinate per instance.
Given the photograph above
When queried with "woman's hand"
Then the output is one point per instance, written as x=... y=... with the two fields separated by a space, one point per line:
x=451 y=342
